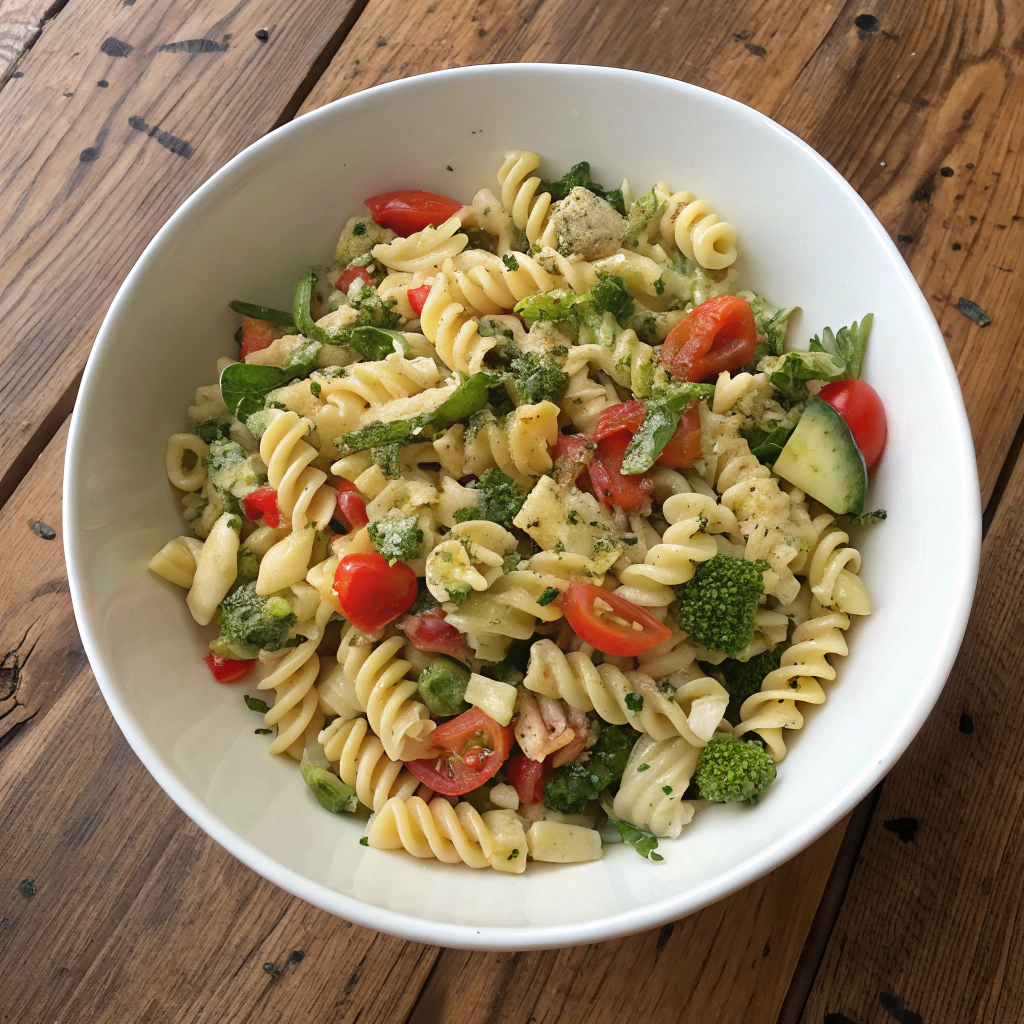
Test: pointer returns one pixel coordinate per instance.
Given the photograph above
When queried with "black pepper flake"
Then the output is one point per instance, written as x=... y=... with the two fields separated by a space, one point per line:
x=272 y=969
x=27 y=888
x=973 y=311
x=904 y=238
x=957 y=247
x=946 y=172
x=262 y=35
x=41 y=529
x=966 y=724
x=903 y=828
x=867 y=24
x=296 y=956
x=18 y=74
x=103 y=83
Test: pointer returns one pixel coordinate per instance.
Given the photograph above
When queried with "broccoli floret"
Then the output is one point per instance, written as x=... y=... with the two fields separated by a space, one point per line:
x=232 y=472
x=557 y=307
x=261 y=623
x=396 y=539
x=579 y=176
x=209 y=430
x=371 y=309
x=717 y=607
x=538 y=378
x=732 y=770
x=499 y=499
x=611 y=294
x=248 y=567
x=742 y=678
x=373 y=435
x=579 y=782
x=511 y=561
x=442 y=687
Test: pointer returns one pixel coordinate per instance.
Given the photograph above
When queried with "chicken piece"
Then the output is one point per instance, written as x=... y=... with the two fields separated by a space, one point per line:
x=585 y=225
x=547 y=726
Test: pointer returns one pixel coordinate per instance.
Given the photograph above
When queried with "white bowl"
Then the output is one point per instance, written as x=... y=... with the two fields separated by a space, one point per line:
x=806 y=238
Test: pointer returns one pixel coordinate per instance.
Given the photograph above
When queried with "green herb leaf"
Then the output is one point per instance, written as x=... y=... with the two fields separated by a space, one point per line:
x=644 y=209
x=869 y=517
x=548 y=595
x=974 y=312
x=640 y=839
x=331 y=793
x=788 y=373
x=511 y=263
x=255 y=704
x=245 y=386
x=634 y=701
x=661 y=418
x=846 y=345
x=579 y=174
x=263 y=732
x=373 y=342
x=274 y=316
x=771 y=447
x=301 y=314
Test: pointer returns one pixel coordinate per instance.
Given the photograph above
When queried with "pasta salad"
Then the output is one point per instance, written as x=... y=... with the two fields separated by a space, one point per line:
x=523 y=527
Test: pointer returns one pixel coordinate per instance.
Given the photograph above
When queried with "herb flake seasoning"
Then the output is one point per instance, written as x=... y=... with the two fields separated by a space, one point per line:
x=973 y=311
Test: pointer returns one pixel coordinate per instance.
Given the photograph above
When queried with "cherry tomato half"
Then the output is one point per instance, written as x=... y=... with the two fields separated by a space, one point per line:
x=859 y=404
x=371 y=592
x=469 y=750
x=429 y=632
x=262 y=504
x=228 y=670
x=418 y=297
x=611 y=485
x=718 y=335
x=571 y=455
x=353 y=273
x=258 y=335
x=528 y=777
x=593 y=623
x=627 y=417
x=411 y=209
x=351 y=506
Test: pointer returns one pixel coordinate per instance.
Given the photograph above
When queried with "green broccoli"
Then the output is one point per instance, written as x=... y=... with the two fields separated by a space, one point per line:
x=742 y=678
x=258 y=623
x=442 y=687
x=717 y=607
x=578 y=782
x=579 y=175
x=232 y=472
x=557 y=307
x=499 y=499
x=209 y=430
x=396 y=539
x=611 y=294
x=248 y=567
x=538 y=378
x=641 y=213
x=331 y=793
x=732 y=770
x=372 y=310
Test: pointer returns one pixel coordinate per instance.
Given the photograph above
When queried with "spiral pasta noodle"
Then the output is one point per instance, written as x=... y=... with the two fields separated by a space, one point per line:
x=832 y=574
x=377 y=677
x=488 y=446
x=487 y=284
x=457 y=561
x=363 y=764
x=176 y=561
x=423 y=250
x=796 y=680
x=532 y=432
x=450 y=834
x=585 y=399
x=453 y=332
x=368 y=385
x=697 y=232
x=519 y=197
x=651 y=796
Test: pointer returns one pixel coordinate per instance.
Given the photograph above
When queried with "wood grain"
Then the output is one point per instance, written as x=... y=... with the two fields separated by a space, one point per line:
x=932 y=917
x=129 y=131
x=21 y=22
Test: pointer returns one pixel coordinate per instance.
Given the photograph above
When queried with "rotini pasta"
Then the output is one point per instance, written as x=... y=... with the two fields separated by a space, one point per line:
x=695 y=230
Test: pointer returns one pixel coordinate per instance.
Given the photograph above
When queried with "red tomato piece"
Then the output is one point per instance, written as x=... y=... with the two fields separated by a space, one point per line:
x=258 y=335
x=411 y=209
x=718 y=335
x=684 y=445
x=610 y=484
x=572 y=454
x=469 y=750
x=528 y=777
x=262 y=504
x=353 y=273
x=418 y=297
x=594 y=624
x=429 y=632
x=351 y=506
x=371 y=592
x=859 y=404
x=228 y=670
x=625 y=417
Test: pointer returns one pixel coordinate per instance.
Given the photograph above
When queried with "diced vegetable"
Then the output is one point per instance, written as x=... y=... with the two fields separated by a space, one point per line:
x=442 y=687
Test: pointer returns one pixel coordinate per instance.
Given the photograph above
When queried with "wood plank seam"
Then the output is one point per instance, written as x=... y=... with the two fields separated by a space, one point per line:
x=28 y=39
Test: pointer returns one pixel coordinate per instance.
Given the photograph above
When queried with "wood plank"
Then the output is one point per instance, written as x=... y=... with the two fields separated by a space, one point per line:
x=119 y=908
x=730 y=963
x=129 y=130
x=21 y=22
x=931 y=922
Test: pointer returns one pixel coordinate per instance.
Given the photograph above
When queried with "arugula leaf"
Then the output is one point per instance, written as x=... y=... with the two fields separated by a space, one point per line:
x=640 y=839
x=255 y=704
x=661 y=418
x=789 y=372
x=769 y=449
x=846 y=345
x=772 y=323
x=274 y=316
x=303 y=318
x=245 y=386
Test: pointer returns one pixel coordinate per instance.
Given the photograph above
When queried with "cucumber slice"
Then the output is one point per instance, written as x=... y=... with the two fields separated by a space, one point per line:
x=822 y=458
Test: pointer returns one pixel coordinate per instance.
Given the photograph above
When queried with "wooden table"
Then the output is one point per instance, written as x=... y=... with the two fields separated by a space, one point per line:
x=113 y=906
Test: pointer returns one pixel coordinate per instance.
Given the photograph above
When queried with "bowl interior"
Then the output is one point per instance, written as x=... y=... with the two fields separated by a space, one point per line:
x=806 y=240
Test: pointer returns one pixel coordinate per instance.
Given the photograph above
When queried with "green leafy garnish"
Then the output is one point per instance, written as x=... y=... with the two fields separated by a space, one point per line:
x=846 y=345
x=790 y=372
x=634 y=701
x=640 y=839
x=772 y=323
x=866 y=518
x=331 y=793
x=538 y=378
x=575 y=784
x=396 y=539
x=643 y=210
x=579 y=175
x=767 y=446
x=511 y=263
x=611 y=294
x=255 y=704
x=973 y=311
x=499 y=499
x=262 y=732
x=661 y=418
x=548 y=595
x=274 y=316
x=245 y=386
